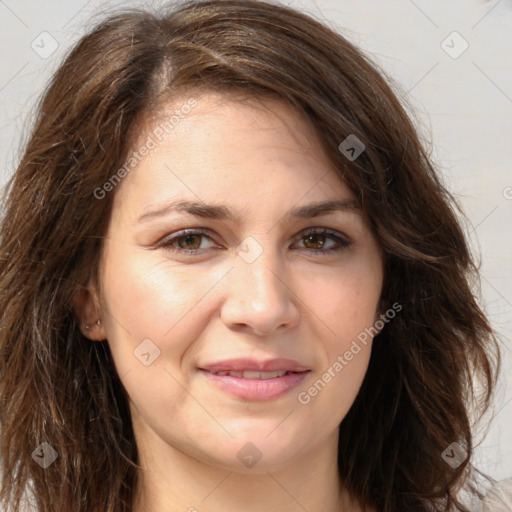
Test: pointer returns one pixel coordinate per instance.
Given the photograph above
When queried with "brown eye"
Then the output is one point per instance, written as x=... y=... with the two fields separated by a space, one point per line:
x=314 y=241
x=189 y=242
x=320 y=241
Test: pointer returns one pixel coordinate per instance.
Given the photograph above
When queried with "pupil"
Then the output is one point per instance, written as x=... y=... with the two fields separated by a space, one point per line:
x=189 y=240
x=315 y=240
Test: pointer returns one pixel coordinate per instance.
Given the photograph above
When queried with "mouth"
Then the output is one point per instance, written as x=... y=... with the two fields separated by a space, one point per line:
x=254 y=375
x=255 y=385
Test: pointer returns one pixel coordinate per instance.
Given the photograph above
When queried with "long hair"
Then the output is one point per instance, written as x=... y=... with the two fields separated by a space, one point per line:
x=59 y=388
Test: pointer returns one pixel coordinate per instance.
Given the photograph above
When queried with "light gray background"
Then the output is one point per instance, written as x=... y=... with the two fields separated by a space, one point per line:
x=463 y=103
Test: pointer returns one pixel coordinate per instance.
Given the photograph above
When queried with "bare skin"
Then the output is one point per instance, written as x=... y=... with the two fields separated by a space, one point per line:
x=292 y=301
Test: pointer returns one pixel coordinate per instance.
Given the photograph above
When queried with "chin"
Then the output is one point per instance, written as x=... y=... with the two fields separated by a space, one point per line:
x=253 y=454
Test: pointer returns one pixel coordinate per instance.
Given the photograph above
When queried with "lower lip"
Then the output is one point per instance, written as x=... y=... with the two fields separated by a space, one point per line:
x=256 y=389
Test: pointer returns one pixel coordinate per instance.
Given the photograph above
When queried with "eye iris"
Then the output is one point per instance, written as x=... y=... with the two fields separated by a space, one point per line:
x=314 y=239
x=185 y=240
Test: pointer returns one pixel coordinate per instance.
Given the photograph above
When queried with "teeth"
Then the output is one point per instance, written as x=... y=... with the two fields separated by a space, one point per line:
x=254 y=375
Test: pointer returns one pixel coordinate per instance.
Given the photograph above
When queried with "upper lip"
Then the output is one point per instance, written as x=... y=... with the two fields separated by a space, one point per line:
x=248 y=364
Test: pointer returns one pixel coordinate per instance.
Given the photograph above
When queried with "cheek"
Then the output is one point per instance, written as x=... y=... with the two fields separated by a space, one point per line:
x=346 y=302
x=346 y=306
x=347 y=311
x=150 y=298
x=331 y=394
x=161 y=307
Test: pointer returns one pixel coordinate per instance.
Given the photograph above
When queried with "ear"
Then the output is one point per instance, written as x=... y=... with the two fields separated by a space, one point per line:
x=88 y=311
x=381 y=307
x=380 y=317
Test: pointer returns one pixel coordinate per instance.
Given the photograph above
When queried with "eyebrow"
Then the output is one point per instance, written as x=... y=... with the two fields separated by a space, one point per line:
x=221 y=212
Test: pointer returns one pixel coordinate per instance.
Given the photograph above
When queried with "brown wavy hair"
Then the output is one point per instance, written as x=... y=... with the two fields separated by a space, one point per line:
x=58 y=387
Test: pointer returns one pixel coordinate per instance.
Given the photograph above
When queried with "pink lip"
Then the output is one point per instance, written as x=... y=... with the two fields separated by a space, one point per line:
x=255 y=389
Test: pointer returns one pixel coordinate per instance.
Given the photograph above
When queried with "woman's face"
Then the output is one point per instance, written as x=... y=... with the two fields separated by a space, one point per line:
x=250 y=281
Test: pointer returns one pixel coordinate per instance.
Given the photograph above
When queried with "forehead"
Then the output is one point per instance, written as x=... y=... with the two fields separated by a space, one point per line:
x=227 y=144
x=241 y=114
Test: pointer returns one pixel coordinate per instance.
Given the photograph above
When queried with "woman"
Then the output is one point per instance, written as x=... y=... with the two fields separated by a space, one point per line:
x=231 y=279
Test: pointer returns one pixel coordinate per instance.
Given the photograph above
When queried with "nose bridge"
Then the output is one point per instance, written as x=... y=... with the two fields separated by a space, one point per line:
x=256 y=265
x=257 y=296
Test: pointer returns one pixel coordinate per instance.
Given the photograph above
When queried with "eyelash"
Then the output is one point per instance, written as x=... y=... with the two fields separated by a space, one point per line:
x=343 y=243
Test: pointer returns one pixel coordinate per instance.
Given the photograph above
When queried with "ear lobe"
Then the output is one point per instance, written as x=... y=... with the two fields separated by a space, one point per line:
x=380 y=320
x=87 y=311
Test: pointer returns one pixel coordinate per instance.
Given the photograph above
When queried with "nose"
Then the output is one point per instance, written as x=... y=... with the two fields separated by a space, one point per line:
x=260 y=297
